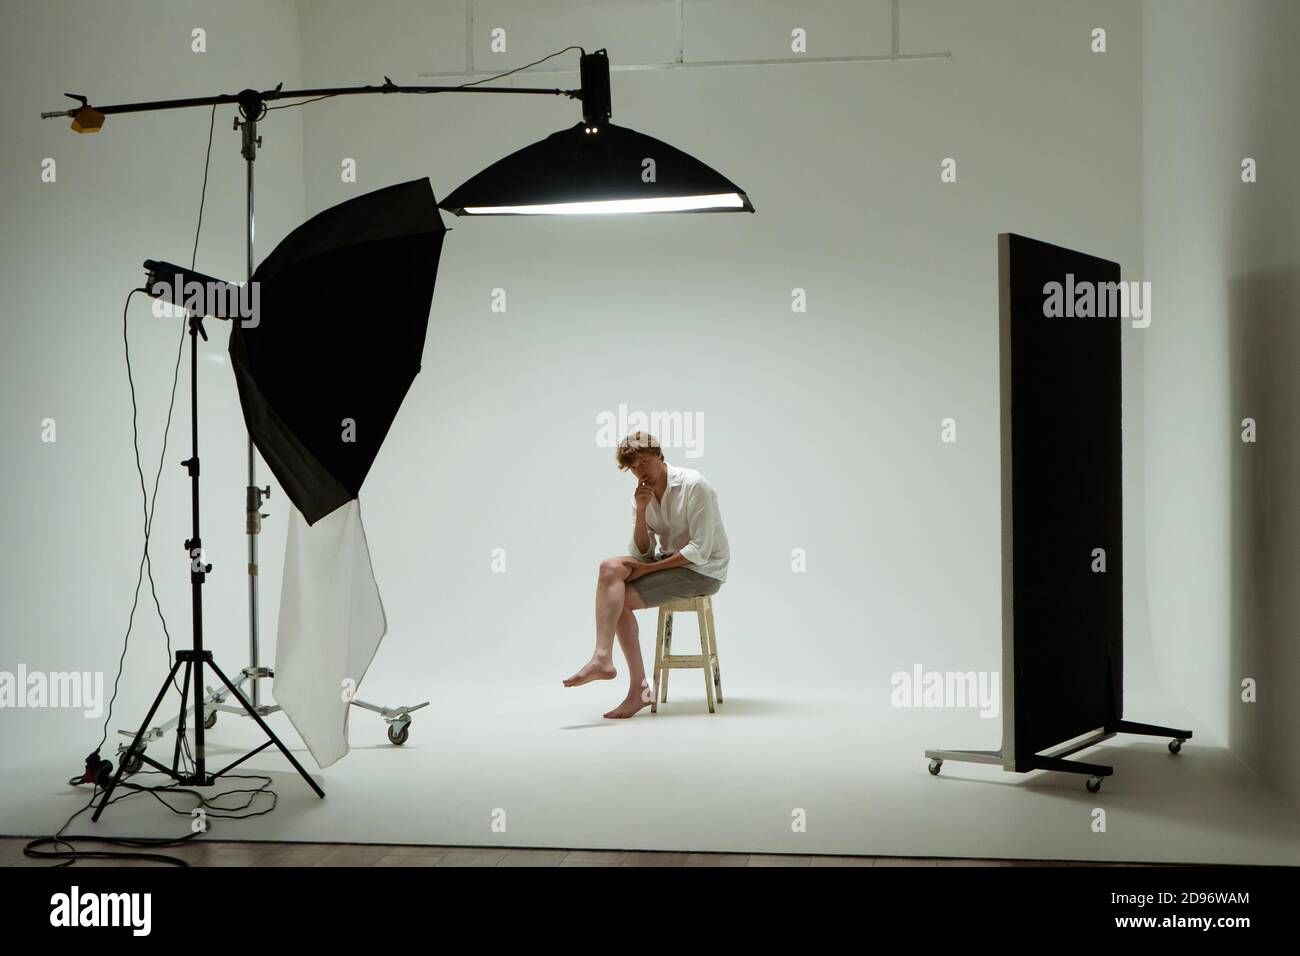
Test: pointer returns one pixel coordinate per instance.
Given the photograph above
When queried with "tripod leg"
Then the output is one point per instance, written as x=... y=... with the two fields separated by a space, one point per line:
x=117 y=777
x=265 y=729
x=180 y=724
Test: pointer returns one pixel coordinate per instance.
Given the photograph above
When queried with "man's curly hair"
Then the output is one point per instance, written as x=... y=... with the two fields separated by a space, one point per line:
x=633 y=443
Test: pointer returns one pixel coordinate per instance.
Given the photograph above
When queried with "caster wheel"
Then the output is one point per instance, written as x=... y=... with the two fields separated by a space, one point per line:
x=210 y=721
x=1094 y=784
x=1175 y=746
x=400 y=736
x=132 y=763
x=935 y=764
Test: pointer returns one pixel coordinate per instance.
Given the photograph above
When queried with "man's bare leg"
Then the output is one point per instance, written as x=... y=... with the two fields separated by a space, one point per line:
x=611 y=593
x=639 y=693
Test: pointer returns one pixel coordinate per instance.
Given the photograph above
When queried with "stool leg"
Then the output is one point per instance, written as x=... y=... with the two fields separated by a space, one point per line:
x=713 y=651
x=667 y=618
x=659 y=659
x=704 y=656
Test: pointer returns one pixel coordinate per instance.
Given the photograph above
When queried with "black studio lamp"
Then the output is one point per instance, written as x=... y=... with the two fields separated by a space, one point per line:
x=596 y=168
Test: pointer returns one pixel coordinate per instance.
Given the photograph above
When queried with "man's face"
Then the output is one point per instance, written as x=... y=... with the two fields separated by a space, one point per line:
x=646 y=466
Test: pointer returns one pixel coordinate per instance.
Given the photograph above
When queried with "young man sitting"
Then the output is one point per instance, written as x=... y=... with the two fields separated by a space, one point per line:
x=679 y=508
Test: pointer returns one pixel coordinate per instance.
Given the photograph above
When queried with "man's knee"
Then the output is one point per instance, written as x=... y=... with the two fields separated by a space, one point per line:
x=613 y=569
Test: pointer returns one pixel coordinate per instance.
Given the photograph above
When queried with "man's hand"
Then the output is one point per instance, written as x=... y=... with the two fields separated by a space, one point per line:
x=635 y=568
x=643 y=495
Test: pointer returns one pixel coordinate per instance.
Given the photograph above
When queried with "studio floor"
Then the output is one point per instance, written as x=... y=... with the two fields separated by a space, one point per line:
x=777 y=771
x=380 y=855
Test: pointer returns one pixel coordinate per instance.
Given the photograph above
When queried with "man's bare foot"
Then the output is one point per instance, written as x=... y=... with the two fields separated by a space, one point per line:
x=592 y=670
x=632 y=703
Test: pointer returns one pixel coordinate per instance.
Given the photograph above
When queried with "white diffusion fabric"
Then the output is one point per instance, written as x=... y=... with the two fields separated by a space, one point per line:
x=331 y=623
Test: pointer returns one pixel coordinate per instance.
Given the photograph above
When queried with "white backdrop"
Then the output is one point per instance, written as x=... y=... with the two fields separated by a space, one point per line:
x=821 y=430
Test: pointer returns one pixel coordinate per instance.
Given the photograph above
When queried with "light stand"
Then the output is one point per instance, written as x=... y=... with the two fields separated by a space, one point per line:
x=196 y=658
x=254 y=495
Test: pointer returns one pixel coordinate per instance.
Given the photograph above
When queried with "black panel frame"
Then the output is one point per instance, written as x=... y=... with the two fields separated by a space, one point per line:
x=1062 y=497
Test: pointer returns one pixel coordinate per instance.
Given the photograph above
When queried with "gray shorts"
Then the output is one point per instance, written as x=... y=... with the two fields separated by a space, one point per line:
x=671 y=584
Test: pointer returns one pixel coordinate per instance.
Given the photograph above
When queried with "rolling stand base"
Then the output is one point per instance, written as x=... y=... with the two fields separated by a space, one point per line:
x=130 y=754
x=1053 y=759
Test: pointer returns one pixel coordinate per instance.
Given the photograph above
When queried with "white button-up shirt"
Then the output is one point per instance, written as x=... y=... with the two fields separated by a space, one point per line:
x=687 y=522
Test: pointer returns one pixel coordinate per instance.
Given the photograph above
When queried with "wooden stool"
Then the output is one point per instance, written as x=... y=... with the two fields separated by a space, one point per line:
x=706 y=660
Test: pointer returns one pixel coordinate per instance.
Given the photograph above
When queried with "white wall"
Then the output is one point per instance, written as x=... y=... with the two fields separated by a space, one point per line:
x=1219 y=84
x=821 y=429
x=71 y=522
